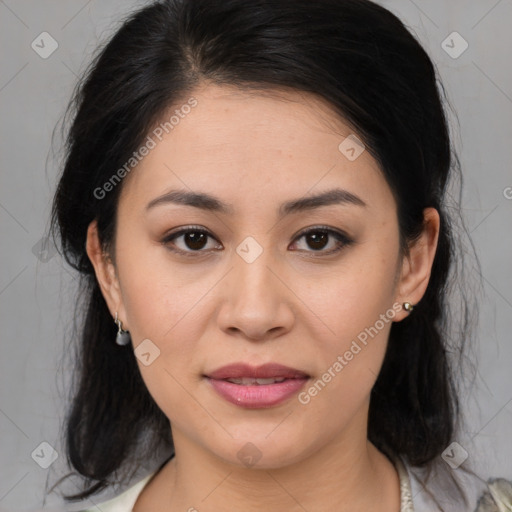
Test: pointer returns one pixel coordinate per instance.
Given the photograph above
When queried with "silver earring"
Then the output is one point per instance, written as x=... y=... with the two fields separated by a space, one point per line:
x=122 y=337
x=408 y=306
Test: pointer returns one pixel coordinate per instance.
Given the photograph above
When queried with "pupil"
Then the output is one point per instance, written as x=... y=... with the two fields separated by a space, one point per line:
x=318 y=237
x=193 y=240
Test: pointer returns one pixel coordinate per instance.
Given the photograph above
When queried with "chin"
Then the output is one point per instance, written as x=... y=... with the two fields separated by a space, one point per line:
x=260 y=452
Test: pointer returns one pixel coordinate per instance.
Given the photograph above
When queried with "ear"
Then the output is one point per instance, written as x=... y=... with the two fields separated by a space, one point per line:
x=417 y=265
x=105 y=271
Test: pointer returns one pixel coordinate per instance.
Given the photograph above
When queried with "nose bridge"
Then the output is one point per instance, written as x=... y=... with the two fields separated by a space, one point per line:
x=253 y=279
x=256 y=301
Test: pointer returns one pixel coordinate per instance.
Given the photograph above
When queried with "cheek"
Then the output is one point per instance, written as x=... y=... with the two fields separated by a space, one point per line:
x=168 y=313
x=355 y=293
x=356 y=308
x=159 y=297
x=349 y=364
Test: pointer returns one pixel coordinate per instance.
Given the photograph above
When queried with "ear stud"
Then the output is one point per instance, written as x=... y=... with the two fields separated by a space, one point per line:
x=408 y=306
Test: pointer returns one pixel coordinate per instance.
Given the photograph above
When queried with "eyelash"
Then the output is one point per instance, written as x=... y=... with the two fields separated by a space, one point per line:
x=342 y=238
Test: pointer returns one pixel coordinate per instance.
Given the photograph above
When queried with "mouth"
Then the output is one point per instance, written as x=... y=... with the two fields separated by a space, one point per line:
x=266 y=371
x=256 y=387
x=248 y=381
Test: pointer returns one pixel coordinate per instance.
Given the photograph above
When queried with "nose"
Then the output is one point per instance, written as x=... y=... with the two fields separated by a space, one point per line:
x=257 y=301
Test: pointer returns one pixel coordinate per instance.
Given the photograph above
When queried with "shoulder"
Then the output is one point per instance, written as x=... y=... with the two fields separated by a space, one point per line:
x=456 y=490
x=125 y=501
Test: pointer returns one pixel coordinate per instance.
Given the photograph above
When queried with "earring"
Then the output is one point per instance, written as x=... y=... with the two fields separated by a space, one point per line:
x=408 y=306
x=122 y=337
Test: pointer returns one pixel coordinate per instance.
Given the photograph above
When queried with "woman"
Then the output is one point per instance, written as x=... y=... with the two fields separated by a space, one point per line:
x=254 y=194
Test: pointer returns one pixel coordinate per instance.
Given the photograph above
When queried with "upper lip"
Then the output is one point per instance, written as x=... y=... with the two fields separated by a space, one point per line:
x=265 y=371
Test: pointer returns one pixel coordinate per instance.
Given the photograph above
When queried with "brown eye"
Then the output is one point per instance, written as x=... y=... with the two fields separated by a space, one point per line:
x=192 y=240
x=317 y=239
x=195 y=240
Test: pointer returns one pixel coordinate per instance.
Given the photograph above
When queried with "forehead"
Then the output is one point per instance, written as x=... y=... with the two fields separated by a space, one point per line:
x=243 y=144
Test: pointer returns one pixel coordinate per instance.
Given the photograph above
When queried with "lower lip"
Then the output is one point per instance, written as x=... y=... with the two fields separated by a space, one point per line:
x=257 y=396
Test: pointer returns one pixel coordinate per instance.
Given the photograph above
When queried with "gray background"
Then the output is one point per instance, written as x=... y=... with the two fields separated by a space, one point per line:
x=36 y=292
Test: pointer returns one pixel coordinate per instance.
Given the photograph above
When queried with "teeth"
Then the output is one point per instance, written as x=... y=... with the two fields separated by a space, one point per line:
x=249 y=381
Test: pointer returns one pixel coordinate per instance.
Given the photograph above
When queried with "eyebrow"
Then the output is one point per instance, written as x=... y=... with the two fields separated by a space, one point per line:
x=210 y=203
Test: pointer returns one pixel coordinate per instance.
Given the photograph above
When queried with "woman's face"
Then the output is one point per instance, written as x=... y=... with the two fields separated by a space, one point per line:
x=254 y=289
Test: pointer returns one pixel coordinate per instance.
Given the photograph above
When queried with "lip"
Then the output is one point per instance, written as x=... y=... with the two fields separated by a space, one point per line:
x=265 y=371
x=257 y=396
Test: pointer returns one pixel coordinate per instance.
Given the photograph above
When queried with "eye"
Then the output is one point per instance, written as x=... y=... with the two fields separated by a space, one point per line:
x=194 y=239
x=320 y=237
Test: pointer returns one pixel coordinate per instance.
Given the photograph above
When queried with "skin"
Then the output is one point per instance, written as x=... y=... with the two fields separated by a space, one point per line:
x=254 y=151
